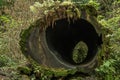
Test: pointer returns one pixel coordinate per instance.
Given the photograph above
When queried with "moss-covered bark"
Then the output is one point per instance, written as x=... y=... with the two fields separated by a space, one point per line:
x=60 y=11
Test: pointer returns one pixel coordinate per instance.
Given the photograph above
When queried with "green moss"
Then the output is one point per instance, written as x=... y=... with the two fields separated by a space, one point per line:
x=91 y=10
x=50 y=72
x=80 y=52
x=24 y=35
x=25 y=70
x=43 y=72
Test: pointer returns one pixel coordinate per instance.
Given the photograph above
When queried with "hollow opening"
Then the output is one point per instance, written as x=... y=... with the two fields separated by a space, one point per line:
x=62 y=38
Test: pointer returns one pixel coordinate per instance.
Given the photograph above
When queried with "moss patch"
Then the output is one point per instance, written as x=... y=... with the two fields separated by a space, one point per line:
x=80 y=52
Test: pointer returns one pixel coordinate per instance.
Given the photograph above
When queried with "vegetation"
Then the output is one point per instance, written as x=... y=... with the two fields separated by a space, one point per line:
x=80 y=52
x=111 y=59
x=16 y=15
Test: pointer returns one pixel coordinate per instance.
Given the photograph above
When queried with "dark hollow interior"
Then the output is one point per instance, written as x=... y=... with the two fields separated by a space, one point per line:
x=63 y=37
